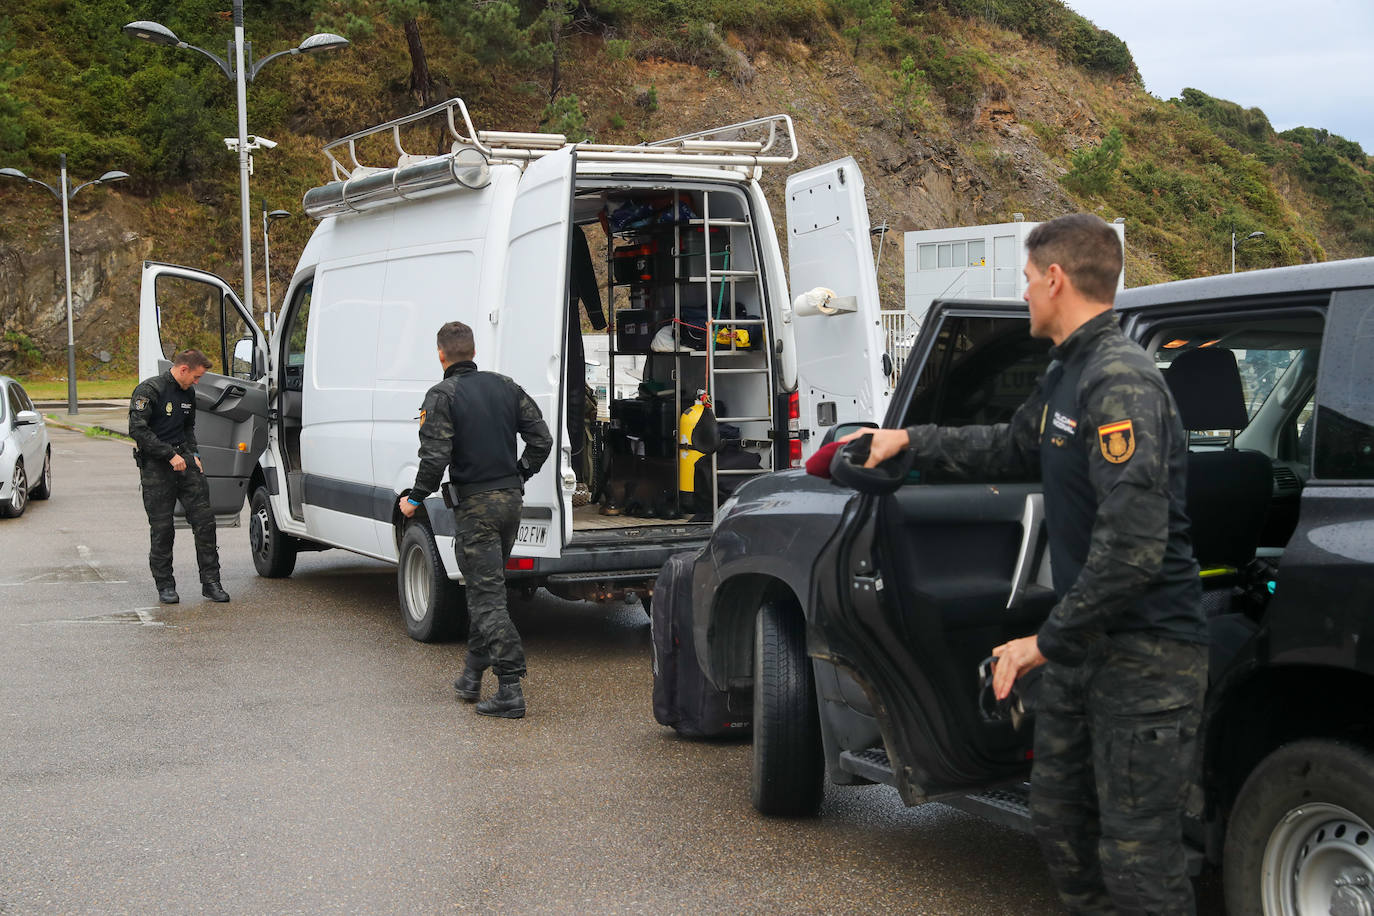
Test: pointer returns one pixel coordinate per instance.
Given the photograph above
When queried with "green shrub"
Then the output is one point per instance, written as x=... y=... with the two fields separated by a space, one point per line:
x=912 y=95
x=1093 y=169
x=564 y=116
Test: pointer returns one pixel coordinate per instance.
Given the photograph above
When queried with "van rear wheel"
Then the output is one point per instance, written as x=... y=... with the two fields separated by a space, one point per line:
x=433 y=606
x=788 y=773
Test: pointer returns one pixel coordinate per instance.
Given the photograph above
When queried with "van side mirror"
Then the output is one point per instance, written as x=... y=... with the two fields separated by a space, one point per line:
x=246 y=362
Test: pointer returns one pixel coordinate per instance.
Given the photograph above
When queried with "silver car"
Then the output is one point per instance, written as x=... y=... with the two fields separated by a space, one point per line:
x=25 y=453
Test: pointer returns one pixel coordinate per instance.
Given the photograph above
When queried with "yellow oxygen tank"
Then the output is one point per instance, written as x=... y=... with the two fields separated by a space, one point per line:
x=688 y=456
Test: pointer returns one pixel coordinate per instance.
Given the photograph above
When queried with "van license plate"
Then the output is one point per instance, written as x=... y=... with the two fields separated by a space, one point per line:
x=533 y=534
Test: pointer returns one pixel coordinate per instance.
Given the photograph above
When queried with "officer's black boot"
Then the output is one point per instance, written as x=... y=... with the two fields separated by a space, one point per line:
x=469 y=683
x=167 y=594
x=214 y=591
x=508 y=701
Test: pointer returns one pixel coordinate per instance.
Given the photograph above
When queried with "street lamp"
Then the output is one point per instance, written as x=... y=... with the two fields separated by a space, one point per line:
x=65 y=196
x=241 y=74
x=267 y=259
x=1234 y=243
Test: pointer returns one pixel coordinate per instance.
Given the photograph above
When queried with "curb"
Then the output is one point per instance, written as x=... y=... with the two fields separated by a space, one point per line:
x=103 y=431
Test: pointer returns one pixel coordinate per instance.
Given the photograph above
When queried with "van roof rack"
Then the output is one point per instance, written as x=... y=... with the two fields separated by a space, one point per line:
x=749 y=144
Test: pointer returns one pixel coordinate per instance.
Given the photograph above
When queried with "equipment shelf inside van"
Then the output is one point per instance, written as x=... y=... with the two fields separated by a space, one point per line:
x=669 y=247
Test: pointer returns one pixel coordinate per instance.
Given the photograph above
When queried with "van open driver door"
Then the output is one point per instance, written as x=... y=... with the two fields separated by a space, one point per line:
x=182 y=309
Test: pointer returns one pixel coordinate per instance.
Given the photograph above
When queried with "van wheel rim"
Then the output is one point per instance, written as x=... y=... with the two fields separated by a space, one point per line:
x=417 y=584
x=1319 y=859
x=19 y=490
x=259 y=535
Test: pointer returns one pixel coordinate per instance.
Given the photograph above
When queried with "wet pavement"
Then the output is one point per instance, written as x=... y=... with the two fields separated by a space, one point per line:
x=295 y=752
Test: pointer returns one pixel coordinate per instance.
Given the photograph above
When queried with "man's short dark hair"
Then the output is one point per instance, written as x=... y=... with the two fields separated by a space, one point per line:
x=1086 y=248
x=455 y=339
x=192 y=358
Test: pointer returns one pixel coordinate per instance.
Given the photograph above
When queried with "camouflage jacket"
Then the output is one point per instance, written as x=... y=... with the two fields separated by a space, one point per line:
x=469 y=422
x=162 y=417
x=1112 y=455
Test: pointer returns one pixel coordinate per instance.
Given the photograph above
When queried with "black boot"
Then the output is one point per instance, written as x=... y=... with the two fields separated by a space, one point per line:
x=214 y=591
x=508 y=701
x=167 y=594
x=469 y=683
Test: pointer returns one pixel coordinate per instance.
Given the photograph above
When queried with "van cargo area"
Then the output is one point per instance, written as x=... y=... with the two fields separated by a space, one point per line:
x=677 y=271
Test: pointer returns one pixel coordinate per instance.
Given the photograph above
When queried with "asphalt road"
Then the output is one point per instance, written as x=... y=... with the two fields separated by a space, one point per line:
x=294 y=752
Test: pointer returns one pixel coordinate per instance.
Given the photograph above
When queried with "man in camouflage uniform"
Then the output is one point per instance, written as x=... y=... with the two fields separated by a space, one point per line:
x=1121 y=694
x=162 y=423
x=468 y=423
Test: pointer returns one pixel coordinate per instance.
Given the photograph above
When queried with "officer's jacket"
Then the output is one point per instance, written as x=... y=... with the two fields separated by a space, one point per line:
x=1112 y=455
x=469 y=422
x=162 y=417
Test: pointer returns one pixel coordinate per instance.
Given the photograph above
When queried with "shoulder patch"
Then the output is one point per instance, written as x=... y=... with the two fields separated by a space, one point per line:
x=140 y=404
x=422 y=416
x=1117 y=441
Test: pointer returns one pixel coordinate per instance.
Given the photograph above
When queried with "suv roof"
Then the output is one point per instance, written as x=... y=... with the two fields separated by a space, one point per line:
x=1287 y=281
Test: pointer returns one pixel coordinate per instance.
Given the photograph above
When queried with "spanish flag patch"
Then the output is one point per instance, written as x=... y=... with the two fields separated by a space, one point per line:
x=422 y=418
x=1117 y=441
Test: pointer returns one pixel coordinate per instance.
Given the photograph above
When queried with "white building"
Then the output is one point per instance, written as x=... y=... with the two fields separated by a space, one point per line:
x=967 y=262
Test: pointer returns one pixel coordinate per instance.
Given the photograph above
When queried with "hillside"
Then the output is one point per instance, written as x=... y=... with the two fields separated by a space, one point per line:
x=959 y=112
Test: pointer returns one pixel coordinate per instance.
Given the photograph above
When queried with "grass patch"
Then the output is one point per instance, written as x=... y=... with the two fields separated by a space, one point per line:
x=55 y=389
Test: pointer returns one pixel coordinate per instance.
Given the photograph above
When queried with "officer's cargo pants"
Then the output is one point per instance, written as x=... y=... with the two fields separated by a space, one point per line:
x=162 y=487
x=487 y=525
x=1115 y=740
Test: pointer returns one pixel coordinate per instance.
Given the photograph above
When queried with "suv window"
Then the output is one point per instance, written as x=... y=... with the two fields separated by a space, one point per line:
x=979 y=371
x=1344 y=440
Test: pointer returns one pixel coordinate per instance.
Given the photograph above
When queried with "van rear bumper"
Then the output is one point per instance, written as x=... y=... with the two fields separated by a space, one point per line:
x=623 y=565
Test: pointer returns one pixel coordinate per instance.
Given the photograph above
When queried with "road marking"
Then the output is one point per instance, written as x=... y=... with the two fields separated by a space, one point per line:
x=88 y=558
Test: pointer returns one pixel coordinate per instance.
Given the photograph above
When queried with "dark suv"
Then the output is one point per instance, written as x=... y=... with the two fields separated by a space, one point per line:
x=897 y=593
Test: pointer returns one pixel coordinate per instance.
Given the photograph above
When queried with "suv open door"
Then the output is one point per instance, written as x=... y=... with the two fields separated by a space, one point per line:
x=841 y=374
x=919 y=584
x=180 y=309
x=530 y=332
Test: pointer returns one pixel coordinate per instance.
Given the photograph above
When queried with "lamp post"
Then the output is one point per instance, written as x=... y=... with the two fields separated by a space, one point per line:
x=65 y=196
x=241 y=71
x=1234 y=243
x=267 y=218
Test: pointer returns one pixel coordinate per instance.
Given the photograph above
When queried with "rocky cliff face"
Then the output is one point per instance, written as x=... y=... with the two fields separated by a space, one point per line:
x=108 y=245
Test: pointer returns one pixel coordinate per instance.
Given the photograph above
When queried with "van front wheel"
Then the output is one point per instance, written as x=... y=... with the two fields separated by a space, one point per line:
x=274 y=553
x=433 y=606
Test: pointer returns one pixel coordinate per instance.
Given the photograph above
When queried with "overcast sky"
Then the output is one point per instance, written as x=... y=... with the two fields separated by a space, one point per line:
x=1305 y=63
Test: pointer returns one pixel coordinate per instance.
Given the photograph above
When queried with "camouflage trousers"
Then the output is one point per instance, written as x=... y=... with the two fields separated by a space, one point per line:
x=162 y=487
x=1115 y=742
x=487 y=525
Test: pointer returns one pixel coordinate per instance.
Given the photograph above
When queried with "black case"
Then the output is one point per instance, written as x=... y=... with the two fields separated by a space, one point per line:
x=651 y=420
x=683 y=699
x=635 y=328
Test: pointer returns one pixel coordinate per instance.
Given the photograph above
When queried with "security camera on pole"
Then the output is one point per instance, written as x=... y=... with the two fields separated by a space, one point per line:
x=242 y=71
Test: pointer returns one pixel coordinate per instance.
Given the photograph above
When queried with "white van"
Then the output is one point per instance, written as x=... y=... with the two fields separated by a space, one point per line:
x=316 y=425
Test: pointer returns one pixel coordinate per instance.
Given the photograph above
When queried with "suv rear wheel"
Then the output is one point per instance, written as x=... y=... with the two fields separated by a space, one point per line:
x=788 y=776
x=1300 y=838
x=433 y=605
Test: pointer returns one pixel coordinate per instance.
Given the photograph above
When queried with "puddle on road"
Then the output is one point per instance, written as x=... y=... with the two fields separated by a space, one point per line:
x=143 y=616
x=89 y=570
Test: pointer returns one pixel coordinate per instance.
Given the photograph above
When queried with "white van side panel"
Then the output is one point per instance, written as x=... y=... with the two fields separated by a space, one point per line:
x=440 y=255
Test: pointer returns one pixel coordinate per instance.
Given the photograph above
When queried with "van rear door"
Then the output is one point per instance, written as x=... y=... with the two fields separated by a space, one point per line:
x=530 y=331
x=180 y=309
x=840 y=356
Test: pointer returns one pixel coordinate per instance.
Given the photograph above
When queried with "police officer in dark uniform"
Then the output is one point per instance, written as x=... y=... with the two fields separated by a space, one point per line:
x=468 y=423
x=162 y=423
x=1124 y=648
